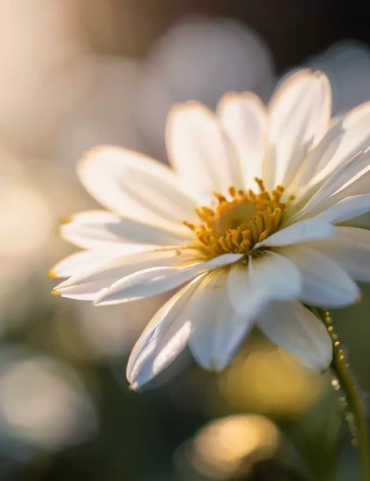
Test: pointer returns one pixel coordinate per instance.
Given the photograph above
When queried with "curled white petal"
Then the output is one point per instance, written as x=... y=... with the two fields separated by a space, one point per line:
x=325 y=283
x=350 y=248
x=293 y=327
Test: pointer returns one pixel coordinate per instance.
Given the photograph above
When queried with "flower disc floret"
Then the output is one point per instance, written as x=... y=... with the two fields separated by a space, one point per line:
x=239 y=220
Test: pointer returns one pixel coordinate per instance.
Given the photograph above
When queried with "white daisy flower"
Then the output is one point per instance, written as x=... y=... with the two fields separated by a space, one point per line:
x=247 y=227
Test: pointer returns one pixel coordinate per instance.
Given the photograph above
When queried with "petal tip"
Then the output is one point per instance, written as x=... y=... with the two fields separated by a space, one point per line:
x=52 y=273
x=92 y=155
x=67 y=219
x=54 y=292
x=215 y=365
x=134 y=386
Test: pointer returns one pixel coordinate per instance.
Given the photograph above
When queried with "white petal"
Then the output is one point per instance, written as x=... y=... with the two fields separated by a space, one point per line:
x=135 y=186
x=350 y=248
x=83 y=292
x=319 y=195
x=90 y=282
x=293 y=327
x=359 y=184
x=199 y=151
x=270 y=276
x=97 y=229
x=150 y=282
x=217 y=330
x=346 y=209
x=243 y=116
x=303 y=231
x=80 y=262
x=317 y=159
x=162 y=340
x=299 y=116
x=325 y=283
x=356 y=137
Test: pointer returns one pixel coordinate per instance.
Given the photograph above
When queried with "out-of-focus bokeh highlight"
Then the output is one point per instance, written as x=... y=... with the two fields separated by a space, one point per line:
x=267 y=380
x=229 y=447
x=76 y=74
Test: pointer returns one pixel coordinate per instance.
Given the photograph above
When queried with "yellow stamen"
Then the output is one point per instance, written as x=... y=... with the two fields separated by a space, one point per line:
x=232 y=191
x=238 y=222
x=55 y=292
x=221 y=198
x=260 y=184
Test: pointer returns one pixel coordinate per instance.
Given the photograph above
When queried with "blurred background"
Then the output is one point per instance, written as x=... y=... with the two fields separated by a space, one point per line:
x=80 y=73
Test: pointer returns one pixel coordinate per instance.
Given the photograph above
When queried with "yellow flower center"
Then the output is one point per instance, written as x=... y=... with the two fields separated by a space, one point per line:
x=238 y=222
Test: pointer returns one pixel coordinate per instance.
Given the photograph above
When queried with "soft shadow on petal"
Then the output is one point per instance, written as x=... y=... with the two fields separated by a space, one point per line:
x=293 y=327
x=317 y=159
x=356 y=137
x=350 y=248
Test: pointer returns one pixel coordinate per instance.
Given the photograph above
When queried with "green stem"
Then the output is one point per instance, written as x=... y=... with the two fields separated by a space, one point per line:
x=355 y=405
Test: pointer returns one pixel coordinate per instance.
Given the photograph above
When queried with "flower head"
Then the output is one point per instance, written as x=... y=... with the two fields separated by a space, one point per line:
x=249 y=227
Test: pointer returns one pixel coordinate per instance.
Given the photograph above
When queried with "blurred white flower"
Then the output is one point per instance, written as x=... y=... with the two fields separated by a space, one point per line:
x=43 y=403
x=249 y=226
x=126 y=102
x=200 y=59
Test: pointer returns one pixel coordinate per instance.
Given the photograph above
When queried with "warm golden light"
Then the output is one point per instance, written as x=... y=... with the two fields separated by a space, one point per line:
x=269 y=380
